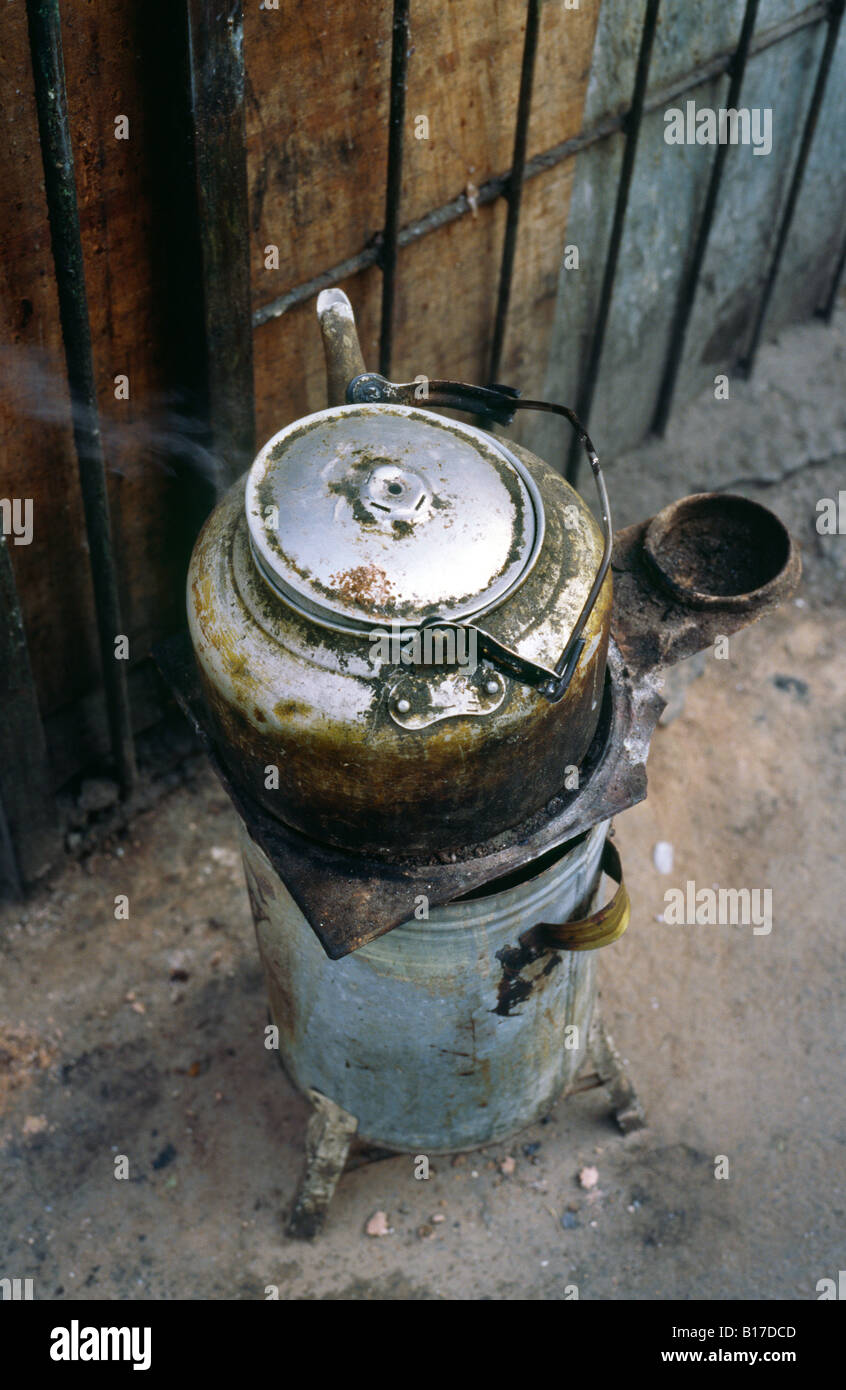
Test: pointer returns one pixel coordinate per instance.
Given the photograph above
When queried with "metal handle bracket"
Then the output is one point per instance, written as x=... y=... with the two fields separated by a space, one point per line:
x=602 y=927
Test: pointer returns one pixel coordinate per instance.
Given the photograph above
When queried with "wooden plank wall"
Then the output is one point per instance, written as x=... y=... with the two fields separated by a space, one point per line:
x=317 y=107
x=317 y=165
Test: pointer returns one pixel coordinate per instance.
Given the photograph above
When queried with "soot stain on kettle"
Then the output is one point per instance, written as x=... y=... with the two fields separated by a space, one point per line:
x=350 y=489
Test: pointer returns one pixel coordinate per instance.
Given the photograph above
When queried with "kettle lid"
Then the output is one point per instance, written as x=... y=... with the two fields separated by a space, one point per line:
x=366 y=514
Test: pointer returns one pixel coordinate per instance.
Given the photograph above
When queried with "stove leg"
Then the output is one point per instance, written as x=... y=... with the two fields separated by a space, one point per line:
x=328 y=1137
x=628 y=1110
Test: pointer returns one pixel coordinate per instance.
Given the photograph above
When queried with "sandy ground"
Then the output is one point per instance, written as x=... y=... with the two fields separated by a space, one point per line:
x=144 y=1037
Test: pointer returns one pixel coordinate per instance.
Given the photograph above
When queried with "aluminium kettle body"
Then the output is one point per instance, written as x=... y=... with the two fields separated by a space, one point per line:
x=366 y=608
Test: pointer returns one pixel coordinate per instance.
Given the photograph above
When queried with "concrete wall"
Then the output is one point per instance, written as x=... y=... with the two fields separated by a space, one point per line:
x=666 y=199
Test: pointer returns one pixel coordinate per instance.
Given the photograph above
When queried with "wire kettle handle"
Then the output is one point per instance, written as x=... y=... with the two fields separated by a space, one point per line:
x=497 y=404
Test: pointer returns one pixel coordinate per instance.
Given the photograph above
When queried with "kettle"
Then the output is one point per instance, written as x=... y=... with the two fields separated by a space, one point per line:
x=401 y=621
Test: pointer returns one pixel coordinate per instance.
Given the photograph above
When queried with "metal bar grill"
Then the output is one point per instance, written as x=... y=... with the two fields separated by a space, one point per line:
x=835 y=17
x=632 y=130
x=60 y=187
x=516 y=179
x=215 y=36
x=690 y=278
x=393 y=191
x=538 y=164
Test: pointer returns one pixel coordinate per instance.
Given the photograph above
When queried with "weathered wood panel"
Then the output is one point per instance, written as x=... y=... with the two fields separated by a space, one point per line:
x=115 y=190
x=317 y=137
x=118 y=61
x=35 y=436
x=317 y=104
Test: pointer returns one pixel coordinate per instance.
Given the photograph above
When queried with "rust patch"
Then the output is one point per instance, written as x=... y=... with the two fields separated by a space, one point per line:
x=515 y=987
x=660 y=615
x=364 y=584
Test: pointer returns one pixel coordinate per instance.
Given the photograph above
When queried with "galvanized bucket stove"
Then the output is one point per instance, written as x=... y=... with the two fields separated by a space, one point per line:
x=437 y=1000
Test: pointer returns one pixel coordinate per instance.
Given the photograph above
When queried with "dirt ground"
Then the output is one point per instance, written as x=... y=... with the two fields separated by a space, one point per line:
x=144 y=1037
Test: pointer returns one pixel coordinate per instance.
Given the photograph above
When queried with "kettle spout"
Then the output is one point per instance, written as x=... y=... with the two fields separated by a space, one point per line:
x=340 y=343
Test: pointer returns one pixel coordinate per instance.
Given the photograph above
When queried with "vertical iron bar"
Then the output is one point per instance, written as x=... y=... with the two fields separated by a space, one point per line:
x=514 y=192
x=826 y=310
x=29 y=832
x=216 y=83
x=835 y=16
x=388 y=257
x=632 y=130
x=45 y=39
x=690 y=277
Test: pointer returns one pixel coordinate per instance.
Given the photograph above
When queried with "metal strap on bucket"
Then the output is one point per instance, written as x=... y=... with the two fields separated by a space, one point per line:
x=602 y=927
